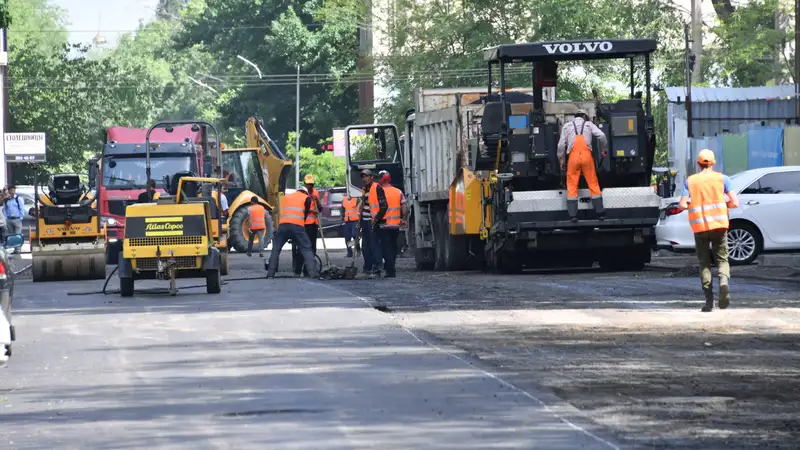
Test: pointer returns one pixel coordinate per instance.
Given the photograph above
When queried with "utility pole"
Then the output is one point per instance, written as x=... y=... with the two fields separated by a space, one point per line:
x=689 y=61
x=297 y=136
x=5 y=173
x=697 y=40
x=796 y=63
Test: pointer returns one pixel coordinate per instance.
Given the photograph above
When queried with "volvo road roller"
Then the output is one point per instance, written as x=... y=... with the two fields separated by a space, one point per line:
x=68 y=242
x=174 y=237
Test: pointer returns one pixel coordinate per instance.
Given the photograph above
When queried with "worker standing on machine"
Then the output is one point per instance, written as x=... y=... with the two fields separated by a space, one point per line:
x=349 y=221
x=149 y=194
x=576 y=142
x=386 y=220
x=294 y=210
x=371 y=245
x=258 y=226
x=704 y=196
x=311 y=222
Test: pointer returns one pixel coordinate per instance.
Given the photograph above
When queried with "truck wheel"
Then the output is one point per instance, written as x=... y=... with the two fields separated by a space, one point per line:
x=425 y=258
x=213 y=282
x=238 y=230
x=439 y=239
x=126 y=287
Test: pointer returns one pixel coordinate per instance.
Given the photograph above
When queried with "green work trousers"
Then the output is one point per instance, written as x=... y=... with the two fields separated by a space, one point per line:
x=712 y=247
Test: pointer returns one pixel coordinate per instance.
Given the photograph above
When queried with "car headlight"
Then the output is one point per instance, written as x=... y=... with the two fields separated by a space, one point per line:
x=108 y=221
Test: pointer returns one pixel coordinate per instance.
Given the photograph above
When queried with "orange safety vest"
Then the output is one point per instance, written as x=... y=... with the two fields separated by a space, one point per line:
x=372 y=201
x=707 y=210
x=257 y=217
x=393 y=200
x=350 y=209
x=293 y=208
x=312 y=218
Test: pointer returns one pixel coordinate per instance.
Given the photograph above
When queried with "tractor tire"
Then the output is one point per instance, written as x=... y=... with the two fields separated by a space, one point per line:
x=213 y=282
x=126 y=287
x=238 y=231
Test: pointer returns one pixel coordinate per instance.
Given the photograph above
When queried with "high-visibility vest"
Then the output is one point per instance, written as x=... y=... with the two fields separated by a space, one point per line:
x=257 y=217
x=313 y=218
x=366 y=192
x=707 y=210
x=293 y=207
x=350 y=206
x=373 y=202
x=393 y=200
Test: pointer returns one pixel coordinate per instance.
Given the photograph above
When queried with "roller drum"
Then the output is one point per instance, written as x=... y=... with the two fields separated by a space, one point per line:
x=68 y=267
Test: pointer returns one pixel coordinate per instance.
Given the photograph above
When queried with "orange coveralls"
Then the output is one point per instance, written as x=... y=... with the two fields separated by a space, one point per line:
x=581 y=161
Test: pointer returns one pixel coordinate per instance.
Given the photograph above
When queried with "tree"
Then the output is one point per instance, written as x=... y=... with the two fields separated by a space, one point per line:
x=328 y=170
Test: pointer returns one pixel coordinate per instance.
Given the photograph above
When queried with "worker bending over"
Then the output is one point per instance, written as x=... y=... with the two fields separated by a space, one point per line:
x=386 y=218
x=311 y=222
x=294 y=211
x=576 y=145
x=258 y=225
x=704 y=196
x=370 y=245
x=349 y=221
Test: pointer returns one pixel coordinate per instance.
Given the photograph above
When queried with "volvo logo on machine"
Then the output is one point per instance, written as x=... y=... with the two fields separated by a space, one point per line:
x=579 y=47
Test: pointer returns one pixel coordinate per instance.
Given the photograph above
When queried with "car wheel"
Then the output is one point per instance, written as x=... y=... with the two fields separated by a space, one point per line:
x=744 y=244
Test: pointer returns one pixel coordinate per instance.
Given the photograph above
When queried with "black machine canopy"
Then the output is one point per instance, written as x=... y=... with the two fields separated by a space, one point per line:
x=569 y=50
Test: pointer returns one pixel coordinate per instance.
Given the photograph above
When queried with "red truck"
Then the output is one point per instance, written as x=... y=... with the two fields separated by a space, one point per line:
x=118 y=174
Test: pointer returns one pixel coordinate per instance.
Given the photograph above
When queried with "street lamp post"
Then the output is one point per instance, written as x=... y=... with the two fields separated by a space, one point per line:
x=297 y=135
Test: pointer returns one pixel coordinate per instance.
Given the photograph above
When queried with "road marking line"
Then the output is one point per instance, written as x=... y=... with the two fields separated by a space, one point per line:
x=485 y=372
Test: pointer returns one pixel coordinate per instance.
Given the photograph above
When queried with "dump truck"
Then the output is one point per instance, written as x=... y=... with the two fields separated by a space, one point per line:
x=260 y=169
x=482 y=175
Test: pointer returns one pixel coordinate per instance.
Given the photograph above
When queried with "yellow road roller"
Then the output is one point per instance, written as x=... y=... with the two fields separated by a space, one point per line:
x=174 y=236
x=68 y=242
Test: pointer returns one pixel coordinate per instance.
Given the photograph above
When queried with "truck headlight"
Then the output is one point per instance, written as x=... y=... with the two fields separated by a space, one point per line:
x=108 y=221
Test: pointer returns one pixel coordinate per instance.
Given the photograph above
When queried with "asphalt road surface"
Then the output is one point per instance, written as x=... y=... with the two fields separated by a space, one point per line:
x=552 y=360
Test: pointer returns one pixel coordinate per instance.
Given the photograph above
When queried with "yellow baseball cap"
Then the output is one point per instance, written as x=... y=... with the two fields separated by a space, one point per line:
x=309 y=179
x=706 y=156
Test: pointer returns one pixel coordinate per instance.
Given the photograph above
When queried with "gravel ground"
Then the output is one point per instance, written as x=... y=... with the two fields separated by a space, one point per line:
x=631 y=351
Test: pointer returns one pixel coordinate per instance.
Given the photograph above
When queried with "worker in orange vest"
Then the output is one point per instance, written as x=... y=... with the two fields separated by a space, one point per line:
x=349 y=221
x=576 y=157
x=370 y=246
x=311 y=222
x=258 y=226
x=387 y=216
x=294 y=211
x=704 y=196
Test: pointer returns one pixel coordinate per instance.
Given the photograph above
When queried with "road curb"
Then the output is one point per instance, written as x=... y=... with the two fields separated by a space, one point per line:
x=746 y=276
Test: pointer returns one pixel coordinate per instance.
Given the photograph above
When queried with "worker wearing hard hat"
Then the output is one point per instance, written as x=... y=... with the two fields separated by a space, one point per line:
x=258 y=225
x=349 y=221
x=386 y=218
x=311 y=221
x=704 y=196
x=370 y=243
x=576 y=142
x=294 y=210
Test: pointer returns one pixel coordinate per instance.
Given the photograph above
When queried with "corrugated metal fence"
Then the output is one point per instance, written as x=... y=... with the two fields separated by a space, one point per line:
x=753 y=147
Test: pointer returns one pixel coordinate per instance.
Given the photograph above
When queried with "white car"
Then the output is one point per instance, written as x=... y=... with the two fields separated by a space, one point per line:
x=765 y=221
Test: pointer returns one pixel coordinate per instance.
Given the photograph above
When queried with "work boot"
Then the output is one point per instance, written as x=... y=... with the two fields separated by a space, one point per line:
x=724 y=293
x=709 y=306
x=598 y=208
x=572 y=209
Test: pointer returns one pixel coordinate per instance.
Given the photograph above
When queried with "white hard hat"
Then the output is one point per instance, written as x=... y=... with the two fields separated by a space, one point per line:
x=303 y=189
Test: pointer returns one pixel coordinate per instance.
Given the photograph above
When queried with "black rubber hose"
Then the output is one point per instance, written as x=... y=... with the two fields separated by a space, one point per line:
x=154 y=290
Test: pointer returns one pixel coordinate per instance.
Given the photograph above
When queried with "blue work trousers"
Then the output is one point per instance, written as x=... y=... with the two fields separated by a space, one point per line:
x=370 y=247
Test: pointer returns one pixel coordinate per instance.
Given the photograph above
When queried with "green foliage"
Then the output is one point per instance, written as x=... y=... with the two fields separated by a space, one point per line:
x=328 y=170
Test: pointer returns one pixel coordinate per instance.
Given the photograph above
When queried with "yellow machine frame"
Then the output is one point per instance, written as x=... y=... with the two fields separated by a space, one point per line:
x=61 y=252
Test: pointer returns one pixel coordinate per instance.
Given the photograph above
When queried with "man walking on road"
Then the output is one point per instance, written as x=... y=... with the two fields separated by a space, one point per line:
x=258 y=225
x=386 y=221
x=704 y=197
x=295 y=208
x=576 y=141
x=14 y=211
x=349 y=221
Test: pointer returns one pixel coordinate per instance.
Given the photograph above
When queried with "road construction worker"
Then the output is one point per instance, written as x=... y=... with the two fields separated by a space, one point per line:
x=575 y=156
x=370 y=245
x=311 y=222
x=704 y=196
x=294 y=211
x=386 y=219
x=349 y=221
x=258 y=225
x=149 y=195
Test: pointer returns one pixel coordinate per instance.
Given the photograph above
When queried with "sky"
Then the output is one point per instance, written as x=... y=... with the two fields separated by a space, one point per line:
x=112 y=17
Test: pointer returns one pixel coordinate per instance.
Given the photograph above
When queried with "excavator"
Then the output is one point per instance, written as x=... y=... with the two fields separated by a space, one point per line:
x=258 y=170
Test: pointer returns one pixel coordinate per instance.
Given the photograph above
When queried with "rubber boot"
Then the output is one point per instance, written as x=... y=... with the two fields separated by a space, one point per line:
x=572 y=210
x=709 y=306
x=724 y=293
x=598 y=208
